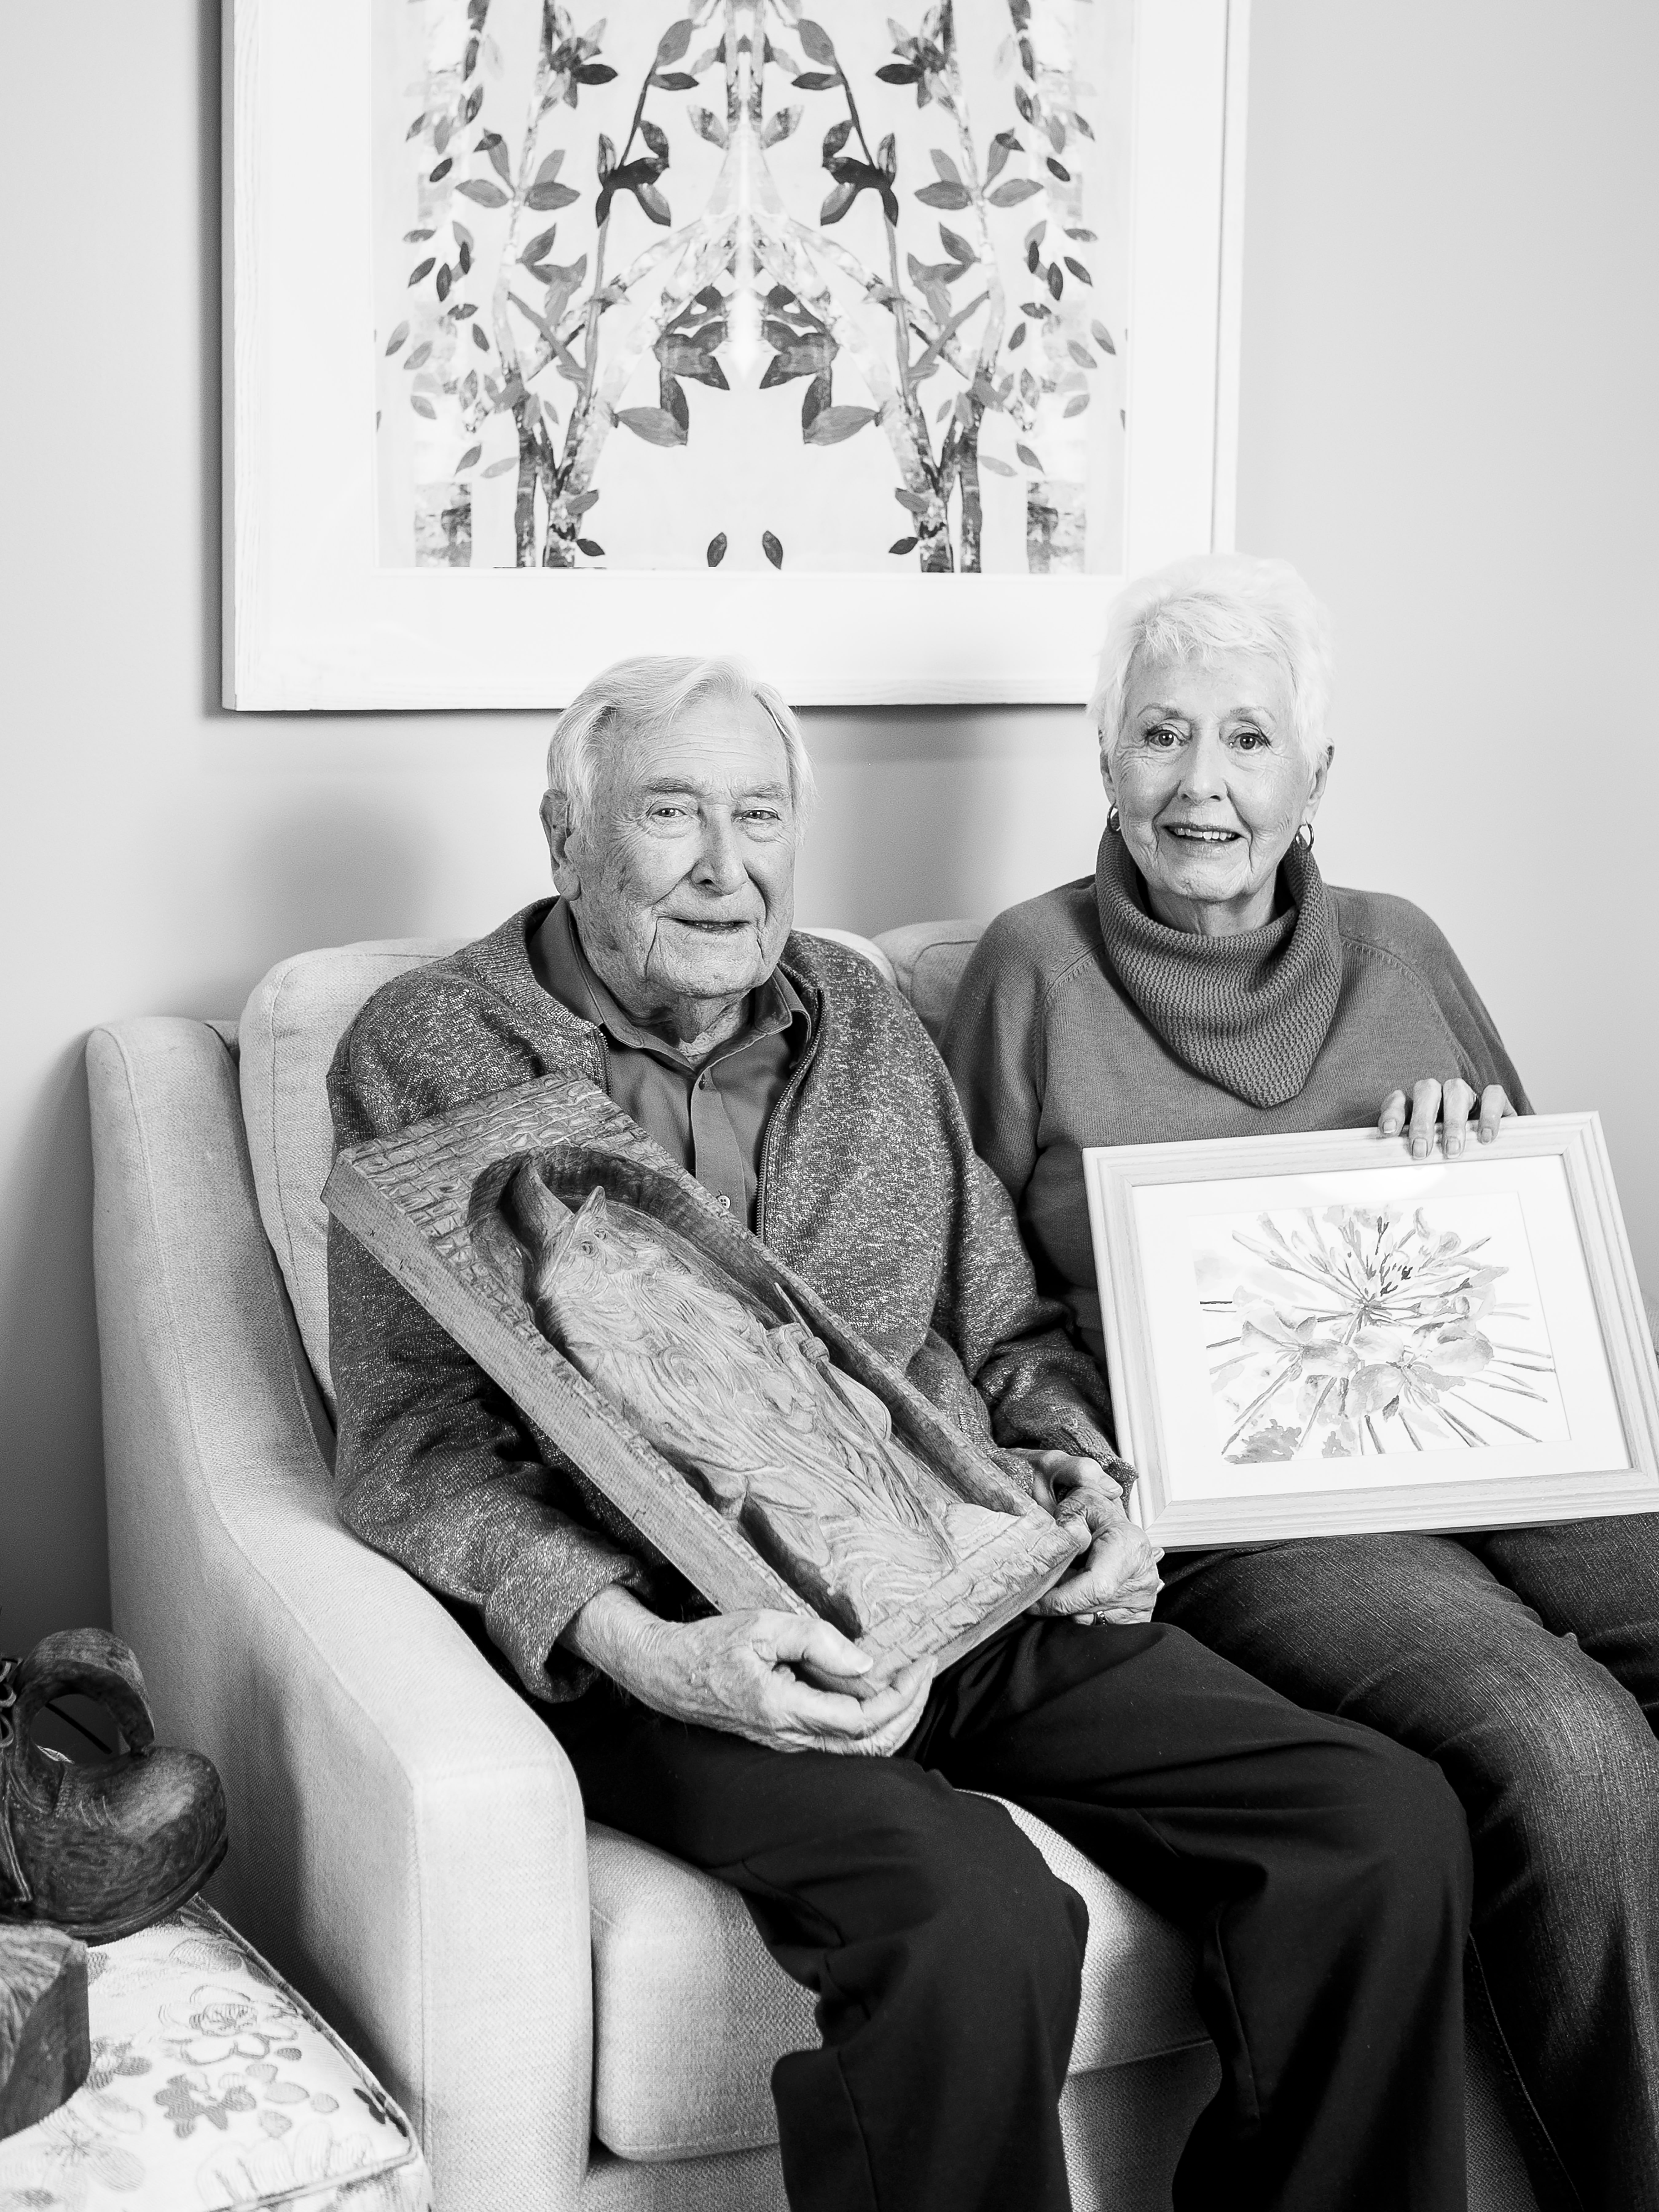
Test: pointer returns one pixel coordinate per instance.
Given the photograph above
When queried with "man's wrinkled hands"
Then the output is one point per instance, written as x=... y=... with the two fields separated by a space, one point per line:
x=1116 y=1579
x=738 y=1672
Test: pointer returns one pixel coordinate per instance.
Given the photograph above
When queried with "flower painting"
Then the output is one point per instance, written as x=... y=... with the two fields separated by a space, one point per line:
x=752 y=284
x=1351 y=1331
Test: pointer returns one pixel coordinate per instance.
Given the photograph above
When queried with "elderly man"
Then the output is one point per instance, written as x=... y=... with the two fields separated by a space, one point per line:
x=1325 y=1869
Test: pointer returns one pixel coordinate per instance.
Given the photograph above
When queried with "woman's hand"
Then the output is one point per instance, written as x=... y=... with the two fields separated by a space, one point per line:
x=738 y=1673
x=1452 y=1099
x=1116 y=1579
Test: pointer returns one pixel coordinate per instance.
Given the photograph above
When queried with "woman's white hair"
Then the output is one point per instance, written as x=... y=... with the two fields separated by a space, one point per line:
x=644 y=697
x=1210 y=605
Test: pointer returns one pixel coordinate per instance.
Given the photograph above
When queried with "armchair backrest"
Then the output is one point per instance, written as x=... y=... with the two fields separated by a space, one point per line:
x=292 y=1022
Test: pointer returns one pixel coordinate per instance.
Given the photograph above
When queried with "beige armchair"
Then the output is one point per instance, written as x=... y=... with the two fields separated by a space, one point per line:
x=570 y=2019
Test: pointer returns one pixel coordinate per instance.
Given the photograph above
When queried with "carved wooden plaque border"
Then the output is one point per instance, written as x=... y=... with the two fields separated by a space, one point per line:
x=413 y=1200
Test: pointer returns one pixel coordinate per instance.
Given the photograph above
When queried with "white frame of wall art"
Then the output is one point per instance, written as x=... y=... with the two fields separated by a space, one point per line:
x=313 y=620
x=1275 y=1307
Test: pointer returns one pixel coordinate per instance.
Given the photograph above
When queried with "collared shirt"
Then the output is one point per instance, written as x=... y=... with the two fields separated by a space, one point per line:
x=710 y=1115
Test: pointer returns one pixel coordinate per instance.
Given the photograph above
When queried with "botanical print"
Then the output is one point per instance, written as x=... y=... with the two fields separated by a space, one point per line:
x=1346 y=1332
x=743 y=284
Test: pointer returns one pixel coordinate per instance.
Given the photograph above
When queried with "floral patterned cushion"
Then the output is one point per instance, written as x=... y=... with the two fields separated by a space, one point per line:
x=213 y=2085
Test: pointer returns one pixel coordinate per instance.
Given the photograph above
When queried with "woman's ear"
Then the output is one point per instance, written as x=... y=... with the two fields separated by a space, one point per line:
x=1107 y=784
x=1323 y=756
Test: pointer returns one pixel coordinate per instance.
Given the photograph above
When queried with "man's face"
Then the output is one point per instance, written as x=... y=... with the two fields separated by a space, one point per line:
x=681 y=873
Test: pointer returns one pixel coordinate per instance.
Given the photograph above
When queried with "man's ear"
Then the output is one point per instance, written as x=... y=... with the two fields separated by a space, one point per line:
x=556 y=827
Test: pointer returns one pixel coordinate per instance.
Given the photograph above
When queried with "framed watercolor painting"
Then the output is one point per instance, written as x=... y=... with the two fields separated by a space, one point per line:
x=1317 y=1334
x=874 y=346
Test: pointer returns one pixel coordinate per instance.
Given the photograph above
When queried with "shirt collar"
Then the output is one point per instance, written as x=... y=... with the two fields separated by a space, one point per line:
x=774 y=1005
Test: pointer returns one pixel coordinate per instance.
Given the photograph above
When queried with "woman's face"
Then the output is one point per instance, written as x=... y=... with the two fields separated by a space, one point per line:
x=1212 y=784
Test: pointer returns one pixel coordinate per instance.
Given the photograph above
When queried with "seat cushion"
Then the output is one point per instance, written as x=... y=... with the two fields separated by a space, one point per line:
x=927 y=959
x=293 y=1021
x=690 y=2012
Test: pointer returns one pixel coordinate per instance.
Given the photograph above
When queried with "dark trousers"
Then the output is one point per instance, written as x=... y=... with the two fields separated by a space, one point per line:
x=1325 y=1870
x=1526 y=1663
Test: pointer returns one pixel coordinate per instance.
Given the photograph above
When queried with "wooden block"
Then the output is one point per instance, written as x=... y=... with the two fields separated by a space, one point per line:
x=45 y=2050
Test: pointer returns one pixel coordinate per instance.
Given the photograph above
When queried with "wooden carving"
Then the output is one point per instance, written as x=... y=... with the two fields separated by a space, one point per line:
x=104 y=1847
x=45 y=2050
x=775 y=1458
x=802 y=1459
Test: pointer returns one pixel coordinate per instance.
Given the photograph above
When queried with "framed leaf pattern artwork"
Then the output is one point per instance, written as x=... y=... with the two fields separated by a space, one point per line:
x=871 y=346
x=1318 y=1336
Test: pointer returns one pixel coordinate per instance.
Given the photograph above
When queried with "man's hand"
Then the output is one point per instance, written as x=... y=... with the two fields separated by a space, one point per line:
x=1116 y=1579
x=737 y=1671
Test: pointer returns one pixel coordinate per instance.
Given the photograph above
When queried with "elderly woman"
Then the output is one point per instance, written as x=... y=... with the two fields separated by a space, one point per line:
x=1206 y=982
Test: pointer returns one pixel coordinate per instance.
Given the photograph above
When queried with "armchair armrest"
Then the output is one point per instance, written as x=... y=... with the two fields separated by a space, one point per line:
x=407 y=1839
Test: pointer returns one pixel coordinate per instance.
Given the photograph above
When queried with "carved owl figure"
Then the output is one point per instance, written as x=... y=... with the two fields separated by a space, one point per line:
x=801 y=1456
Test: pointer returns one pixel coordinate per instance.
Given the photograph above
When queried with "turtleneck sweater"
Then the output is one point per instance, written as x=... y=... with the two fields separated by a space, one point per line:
x=1248 y=1011
x=1083 y=1020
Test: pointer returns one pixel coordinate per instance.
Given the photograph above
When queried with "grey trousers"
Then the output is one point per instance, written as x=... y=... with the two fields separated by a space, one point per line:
x=1527 y=1664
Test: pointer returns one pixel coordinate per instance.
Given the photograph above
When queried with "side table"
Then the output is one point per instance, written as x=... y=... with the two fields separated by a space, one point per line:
x=214 y=2085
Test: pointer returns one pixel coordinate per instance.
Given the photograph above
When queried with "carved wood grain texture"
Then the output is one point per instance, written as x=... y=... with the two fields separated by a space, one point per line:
x=416 y=1200
x=45 y=2047
x=562 y=1404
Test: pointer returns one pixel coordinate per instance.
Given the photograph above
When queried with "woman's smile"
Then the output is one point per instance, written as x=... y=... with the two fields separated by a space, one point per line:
x=1210 y=733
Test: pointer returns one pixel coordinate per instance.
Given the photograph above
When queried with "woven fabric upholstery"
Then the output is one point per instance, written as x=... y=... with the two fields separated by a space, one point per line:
x=290 y=1025
x=927 y=959
x=1123 y=2129
x=690 y=2013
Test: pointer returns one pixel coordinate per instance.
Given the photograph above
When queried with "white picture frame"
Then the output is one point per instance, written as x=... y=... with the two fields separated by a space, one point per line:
x=1464 y=1339
x=313 y=620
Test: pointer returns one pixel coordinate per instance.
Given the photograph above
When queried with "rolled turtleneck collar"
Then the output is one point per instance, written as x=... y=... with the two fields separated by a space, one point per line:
x=1249 y=1012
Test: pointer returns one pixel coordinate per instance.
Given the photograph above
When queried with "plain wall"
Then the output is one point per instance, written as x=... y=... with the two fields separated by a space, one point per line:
x=1450 y=334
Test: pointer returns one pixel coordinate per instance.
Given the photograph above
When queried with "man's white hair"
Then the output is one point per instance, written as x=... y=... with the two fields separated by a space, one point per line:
x=1207 y=606
x=644 y=697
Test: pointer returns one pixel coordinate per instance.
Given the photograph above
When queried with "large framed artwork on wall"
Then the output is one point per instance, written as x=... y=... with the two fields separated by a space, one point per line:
x=871 y=346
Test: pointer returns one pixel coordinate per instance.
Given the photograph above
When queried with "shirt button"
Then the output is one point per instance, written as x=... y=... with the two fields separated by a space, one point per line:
x=726 y=1203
